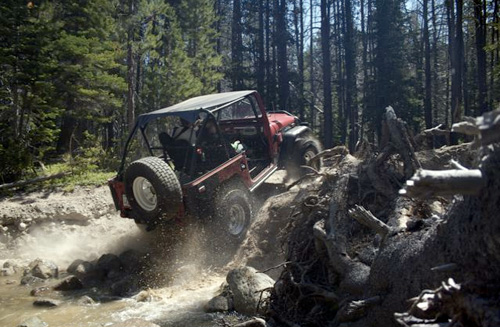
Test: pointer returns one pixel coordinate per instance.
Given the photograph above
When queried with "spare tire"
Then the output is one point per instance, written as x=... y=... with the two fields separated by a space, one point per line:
x=153 y=191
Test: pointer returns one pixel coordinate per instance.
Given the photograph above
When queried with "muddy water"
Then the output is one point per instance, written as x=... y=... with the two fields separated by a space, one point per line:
x=184 y=284
x=171 y=306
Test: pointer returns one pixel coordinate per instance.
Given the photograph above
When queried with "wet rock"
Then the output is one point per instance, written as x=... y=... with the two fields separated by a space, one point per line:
x=70 y=283
x=135 y=323
x=43 y=269
x=116 y=274
x=131 y=260
x=80 y=267
x=125 y=286
x=254 y=322
x=33 y=322
x=86 y=300
x=8 y=269
x=38 y=291
x=108 y=262
x=45 y=302
x=31 y=280
x=22 y=226
x=246 y=285
x=219 y=304
x=146 y=296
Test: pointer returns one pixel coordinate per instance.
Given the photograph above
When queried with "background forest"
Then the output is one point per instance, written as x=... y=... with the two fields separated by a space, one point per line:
x=75 y=73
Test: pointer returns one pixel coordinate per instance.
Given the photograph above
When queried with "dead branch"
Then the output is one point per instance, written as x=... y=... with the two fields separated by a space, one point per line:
x=444 y=182
x=275 y=267
x=436 y=131
x=402 y=141
x=486 y=127
x=366 y=218
x=34 y=180
x=313 y=174
x=339 y=151
x=465 y=127
x=455 y=164
x=354 y=310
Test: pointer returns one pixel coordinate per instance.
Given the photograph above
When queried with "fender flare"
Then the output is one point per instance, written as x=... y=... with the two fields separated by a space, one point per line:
x=292 y=140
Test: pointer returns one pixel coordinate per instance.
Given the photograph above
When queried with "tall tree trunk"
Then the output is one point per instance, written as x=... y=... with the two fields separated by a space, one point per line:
x=311 y=64
x=456 y=53
x=350 y=70
x=479 y=12
x=131 y=78
x=130 y=82
x=281 y=42
x=327 y=70
x=364 y=63
x=435 y=73
x=269 y=72
x=261 y=61
x=299 y=44
x=339 y=30
x=427 y=67
x=237 y=46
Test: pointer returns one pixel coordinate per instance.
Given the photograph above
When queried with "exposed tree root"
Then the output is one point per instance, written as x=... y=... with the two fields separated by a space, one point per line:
x=338 y=271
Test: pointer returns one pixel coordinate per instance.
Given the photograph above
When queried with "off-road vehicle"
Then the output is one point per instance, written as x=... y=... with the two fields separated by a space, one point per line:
x=204 y=157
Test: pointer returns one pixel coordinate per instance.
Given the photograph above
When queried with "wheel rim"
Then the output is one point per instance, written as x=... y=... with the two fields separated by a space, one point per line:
x=237 y=219
x=144 y=193
x=308 y=155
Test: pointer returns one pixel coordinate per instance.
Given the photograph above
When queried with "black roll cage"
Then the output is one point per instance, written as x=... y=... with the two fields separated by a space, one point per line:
x=210 y=115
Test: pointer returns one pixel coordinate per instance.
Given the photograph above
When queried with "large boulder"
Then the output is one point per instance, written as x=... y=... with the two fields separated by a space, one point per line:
x=43 y=269
x=246 y=284
x=46 y=302
x=80 y=268
x=69 y=283
x=8 y=269
x=219 y=304
x=109 y=262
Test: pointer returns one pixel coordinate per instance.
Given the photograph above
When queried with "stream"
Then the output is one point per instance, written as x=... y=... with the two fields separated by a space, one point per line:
x=186 y=283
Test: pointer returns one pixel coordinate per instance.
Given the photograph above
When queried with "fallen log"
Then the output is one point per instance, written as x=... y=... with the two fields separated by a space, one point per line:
x=444 y=182
x=486 y=128
x=33 y=181
x=365 y=217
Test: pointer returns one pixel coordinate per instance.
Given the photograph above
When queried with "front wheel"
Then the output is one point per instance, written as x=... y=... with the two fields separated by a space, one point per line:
x=304 y=151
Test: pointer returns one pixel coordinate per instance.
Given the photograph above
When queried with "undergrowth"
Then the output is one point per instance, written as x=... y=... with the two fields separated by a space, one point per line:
x=89 y=165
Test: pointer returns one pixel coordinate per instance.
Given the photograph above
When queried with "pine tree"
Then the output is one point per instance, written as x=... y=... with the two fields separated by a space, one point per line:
x=88 y=82
x=27 y=109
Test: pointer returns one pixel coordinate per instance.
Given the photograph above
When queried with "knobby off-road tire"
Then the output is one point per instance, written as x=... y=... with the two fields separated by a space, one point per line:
x=153 y=190
x=304 y=150
x=231 y=218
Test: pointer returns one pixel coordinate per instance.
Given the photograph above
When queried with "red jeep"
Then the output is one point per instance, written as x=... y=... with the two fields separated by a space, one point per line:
x=205 y=156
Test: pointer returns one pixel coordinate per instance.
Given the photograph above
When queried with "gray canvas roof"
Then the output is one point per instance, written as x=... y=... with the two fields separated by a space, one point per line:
x=190 y=108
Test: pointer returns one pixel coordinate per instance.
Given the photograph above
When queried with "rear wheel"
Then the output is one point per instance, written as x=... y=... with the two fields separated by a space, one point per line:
x=153 y=190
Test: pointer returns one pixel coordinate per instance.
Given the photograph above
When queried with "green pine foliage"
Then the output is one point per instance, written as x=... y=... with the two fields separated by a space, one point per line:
x=27 y=111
